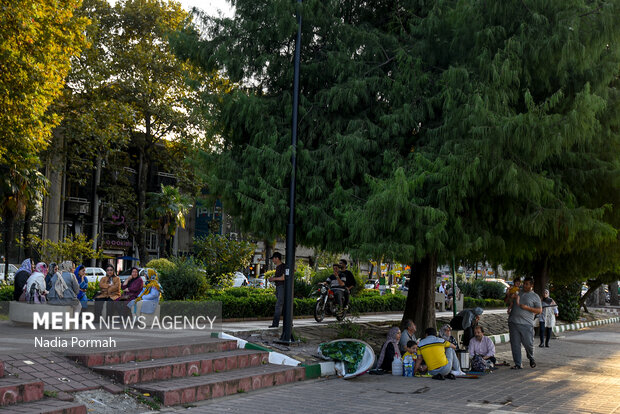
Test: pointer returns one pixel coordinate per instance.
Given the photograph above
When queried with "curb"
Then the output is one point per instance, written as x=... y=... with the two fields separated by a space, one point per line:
x=505 y=337
x=312 y=371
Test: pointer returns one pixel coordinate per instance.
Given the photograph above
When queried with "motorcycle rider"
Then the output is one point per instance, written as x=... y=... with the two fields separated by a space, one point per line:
x=337 y=284
x=349 y=280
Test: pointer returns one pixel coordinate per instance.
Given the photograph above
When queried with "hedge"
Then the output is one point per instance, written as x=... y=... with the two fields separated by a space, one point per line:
x=483 y=303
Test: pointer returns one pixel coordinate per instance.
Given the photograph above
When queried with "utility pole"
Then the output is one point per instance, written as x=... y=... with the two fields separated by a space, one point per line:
x=287 y=328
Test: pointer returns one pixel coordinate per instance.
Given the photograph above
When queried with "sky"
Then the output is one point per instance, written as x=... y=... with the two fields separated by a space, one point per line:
x=209 y=6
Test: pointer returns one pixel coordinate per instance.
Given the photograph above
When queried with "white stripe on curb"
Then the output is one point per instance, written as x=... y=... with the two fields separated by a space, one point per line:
x=504 y=338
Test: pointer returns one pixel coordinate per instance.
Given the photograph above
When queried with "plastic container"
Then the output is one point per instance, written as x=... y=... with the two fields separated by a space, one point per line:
x=397 y=367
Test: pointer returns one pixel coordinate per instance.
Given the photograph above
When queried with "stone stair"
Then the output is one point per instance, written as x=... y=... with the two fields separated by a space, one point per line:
x=26 y=397
x=181 y=374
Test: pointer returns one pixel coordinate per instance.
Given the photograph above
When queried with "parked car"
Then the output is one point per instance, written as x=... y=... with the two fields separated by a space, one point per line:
x=240 y=280
x=259 y=283
x=94 y=274
x=11 y=275
x=502 y=281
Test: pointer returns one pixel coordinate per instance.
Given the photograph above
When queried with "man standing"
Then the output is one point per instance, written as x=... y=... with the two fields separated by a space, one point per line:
x=521 y=322
x=482 y=345
x=278 y=280
x=349 y=280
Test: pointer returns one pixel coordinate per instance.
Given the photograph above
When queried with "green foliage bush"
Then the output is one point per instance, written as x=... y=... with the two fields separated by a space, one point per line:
x=567 y=297
x=483 y=303
x=6 y=293
x=250 y=303
x=160 y=264
x=91 y=291
x=221 y=257
x=183 y=281
x=483 y=290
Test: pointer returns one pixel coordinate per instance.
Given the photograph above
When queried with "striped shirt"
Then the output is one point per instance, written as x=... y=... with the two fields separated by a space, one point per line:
x=433 y=351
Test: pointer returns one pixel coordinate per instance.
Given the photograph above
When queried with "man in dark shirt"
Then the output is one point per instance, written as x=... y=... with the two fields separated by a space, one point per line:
x=278 y=280
x=348 y=279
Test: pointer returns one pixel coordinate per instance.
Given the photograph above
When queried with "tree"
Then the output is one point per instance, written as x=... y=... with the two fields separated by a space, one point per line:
x=167 y=211
x=221 y=257
x=37 y=41
x=426 y=129
x=76 y=250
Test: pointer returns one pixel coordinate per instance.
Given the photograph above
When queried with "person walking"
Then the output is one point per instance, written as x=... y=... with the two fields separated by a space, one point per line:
x=547 y=319
x=521 y=323
x=278 y=280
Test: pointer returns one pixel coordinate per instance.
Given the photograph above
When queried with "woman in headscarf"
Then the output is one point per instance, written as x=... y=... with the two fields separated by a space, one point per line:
x=547 y=319
x=148 y=299
x=51 y=271
x=132 y=286
x=467 y=320
x=80 y=276
x=21 y=277
x=446 y=333
x=390 y=350
x=110 y=290
x=35 y=285
x=65 y=288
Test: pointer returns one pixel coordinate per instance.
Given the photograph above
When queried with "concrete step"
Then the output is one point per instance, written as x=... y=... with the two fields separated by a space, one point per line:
x=46 y=406
x=15 y=390
x=145 y=353
x=185 y=366
x=192 y=389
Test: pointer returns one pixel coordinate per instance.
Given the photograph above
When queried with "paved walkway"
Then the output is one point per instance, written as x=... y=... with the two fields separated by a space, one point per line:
x=578 y=374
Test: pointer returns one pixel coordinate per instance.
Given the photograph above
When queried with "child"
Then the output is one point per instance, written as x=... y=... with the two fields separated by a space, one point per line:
x=412 y=350
x=512 y=292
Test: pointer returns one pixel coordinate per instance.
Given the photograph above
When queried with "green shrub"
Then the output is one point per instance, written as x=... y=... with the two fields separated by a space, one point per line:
x=183 y=281
x=567 y=297
x=6 y=293
x=469 y=303
x=221 y=257
x=160 y=264
x=91 y=291
x=480 y=289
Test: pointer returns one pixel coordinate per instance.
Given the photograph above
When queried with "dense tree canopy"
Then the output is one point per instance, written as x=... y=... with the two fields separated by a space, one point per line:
x=426 y=128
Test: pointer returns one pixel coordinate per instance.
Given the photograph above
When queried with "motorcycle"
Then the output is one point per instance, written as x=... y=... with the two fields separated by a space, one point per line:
x=326 y=305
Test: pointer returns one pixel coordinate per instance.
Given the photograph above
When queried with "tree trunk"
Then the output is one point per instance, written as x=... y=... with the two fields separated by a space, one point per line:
x=142 y=184
x=372 y=267
x=601 y=296
x=268 y=253
x=613 y=293
x=541 y=275
x=420 y=306
x=9 y=222
x=95 y=209
x=27 y=243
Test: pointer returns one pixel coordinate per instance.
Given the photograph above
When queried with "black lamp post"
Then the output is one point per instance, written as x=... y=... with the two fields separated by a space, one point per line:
x=287 y=328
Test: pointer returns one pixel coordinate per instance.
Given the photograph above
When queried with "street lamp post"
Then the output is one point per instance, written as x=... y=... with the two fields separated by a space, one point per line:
x=287 y=328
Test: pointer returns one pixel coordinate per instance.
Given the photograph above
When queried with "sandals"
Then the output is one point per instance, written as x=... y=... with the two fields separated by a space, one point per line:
x=516 y=367
x=532 y=363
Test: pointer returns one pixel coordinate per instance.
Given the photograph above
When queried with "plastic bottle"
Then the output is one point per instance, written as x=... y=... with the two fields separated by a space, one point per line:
x=397 y=367
x=408 y=366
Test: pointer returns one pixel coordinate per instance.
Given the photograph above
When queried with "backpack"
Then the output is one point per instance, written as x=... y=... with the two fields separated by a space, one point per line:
x=478 y=364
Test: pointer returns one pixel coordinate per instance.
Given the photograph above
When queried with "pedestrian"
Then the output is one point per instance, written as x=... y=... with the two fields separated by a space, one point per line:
x=20 y=278
x=547 y=319
x=521 y=323
x=278 y=280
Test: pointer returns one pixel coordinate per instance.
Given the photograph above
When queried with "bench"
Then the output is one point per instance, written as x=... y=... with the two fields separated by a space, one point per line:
x=22 y=313
x=440 y=299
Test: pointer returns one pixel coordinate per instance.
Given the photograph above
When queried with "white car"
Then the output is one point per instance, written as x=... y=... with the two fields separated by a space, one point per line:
x=240 y=280
x=94 y=274
x=11 y=275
